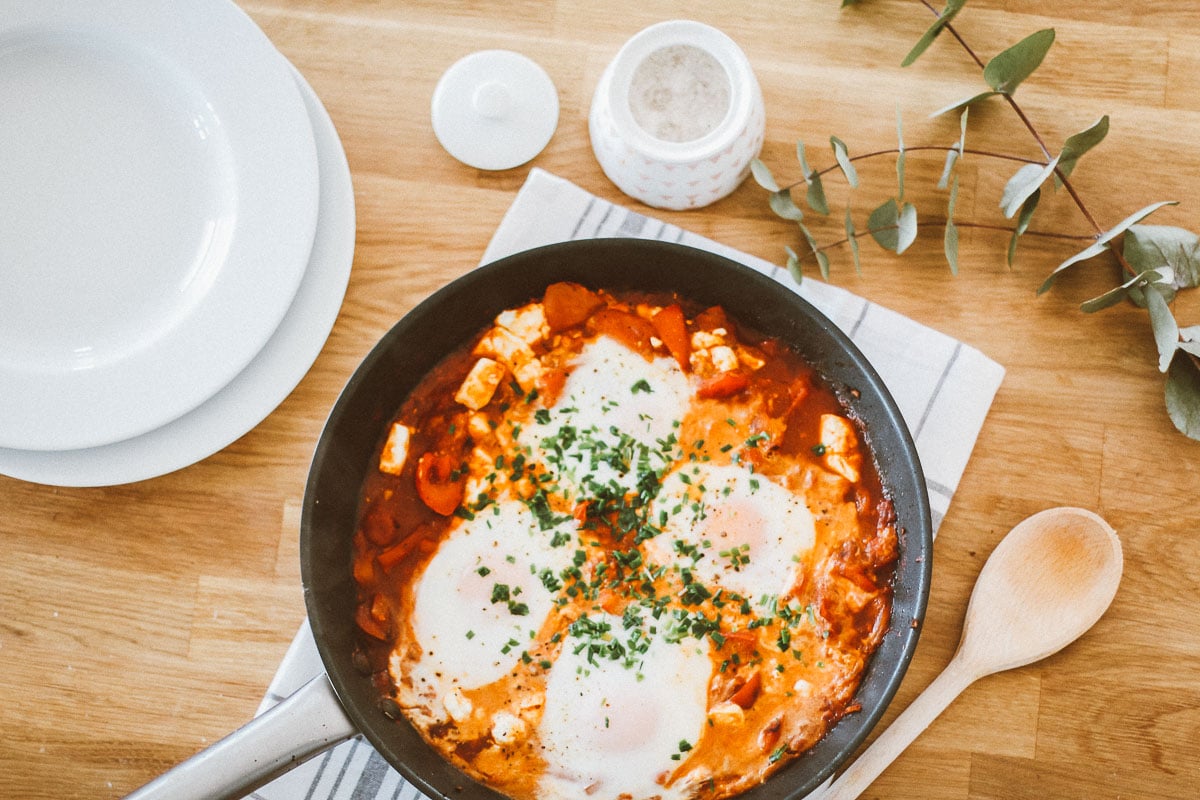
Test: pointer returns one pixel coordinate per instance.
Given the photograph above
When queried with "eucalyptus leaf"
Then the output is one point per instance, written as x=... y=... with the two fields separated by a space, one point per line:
x=1147 y=246
x=783 y=205
x=1119 y=293
x=894 y=227
x=1027 y=209
x=1106 y=300
x=1009 y=69
x=822 y=259
x=1190 y=339
x=907 y=223
x=950 y=240
x=1166 y=330
x=1077 y=145
x=951 y=160
x=1183 y=395
x=762 y=175
x=1021 y=186
x=883 y=225
x=793 y=265
x=816 y=195
x=1023 y=219
x=1137 y=294
x=816 y=190
x=944 y=19
x=968 y=102
x=823 y=263
x=843 y=159
x=852 y=238
x=801 y=158
x=1101 y=244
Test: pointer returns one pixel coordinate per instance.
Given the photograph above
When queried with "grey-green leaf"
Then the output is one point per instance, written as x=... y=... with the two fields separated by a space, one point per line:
x=1101 y=244
x=1021 y=186
x=950 y=240
x=1147 y=246
x=816 y=195
x=882 y=225
x=907 y=224
x=1023 y=219
x=944 y=19
x=793 y=265
x=1119 y=293
x=1162 y=322
x=1080 y=143
x=762 y=175
x=843 y=159
x=1183 y=395
x=1009 y=69
x=951 y=160
x=970 y=101
x=1190 y=339
x=803 y=161
x=783 y=205
x=823 y=263
x=852 y=238
x=822 y=259
x=893 y=226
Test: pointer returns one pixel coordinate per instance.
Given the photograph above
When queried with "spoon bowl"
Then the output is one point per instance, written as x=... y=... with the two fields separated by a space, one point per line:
x=1047 y=582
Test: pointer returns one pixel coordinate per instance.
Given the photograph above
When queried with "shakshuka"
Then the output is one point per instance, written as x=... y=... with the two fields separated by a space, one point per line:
x=622 y=546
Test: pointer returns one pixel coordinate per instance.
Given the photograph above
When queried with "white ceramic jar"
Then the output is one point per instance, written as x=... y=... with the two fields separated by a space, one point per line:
x=677 y=116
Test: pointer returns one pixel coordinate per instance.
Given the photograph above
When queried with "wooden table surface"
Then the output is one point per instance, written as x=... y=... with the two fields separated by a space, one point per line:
x=139 y=623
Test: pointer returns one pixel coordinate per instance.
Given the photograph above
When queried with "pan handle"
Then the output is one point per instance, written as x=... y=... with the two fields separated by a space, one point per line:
x=306 y=723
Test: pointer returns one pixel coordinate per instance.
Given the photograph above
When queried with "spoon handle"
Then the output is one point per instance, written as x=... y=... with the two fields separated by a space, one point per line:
x=888 y=745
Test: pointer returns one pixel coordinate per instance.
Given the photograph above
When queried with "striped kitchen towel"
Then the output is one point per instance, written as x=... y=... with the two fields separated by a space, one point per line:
x=944 y=389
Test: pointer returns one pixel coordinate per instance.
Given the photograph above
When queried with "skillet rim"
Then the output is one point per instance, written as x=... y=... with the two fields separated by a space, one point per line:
x=474 y=298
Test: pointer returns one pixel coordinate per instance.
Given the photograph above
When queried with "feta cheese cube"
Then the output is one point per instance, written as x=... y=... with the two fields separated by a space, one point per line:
x=528 y=322
x=395 y=449
x=480 y=384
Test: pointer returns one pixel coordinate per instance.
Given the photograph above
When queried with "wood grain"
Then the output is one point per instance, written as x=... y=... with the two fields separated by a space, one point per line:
x=139 y=623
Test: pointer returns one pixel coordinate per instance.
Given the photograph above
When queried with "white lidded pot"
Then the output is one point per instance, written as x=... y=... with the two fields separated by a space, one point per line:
x=677 y=116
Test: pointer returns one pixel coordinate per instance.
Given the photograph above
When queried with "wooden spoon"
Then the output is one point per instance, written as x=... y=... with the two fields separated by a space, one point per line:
x=1046 y=583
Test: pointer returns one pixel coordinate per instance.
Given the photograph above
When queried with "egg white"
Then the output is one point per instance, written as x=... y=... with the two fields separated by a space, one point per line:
x=613 y=402
x=613 y=727
x=732 y=528
x=467 y=638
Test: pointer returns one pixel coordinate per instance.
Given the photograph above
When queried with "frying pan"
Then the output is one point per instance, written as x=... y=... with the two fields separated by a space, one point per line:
x=343 y=702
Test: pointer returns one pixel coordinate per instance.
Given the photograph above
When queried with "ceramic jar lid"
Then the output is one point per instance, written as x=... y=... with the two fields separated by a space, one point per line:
x=494 y=109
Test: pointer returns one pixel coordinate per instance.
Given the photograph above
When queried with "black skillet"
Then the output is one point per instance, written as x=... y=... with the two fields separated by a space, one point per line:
x=344 y=702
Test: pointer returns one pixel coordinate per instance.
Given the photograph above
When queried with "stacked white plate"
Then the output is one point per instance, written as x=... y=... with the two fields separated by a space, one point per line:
x=176 y=235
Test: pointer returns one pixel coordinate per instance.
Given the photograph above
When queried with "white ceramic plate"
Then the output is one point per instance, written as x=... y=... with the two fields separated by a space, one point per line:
x=159 y=204
x=259 y=388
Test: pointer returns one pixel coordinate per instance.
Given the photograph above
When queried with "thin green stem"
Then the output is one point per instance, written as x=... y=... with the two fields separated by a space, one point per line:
x=920 y=148
x=942 y=222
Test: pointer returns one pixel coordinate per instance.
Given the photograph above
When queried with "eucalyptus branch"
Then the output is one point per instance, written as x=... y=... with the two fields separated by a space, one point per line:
x=1041 y=143
x=1158 y=261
